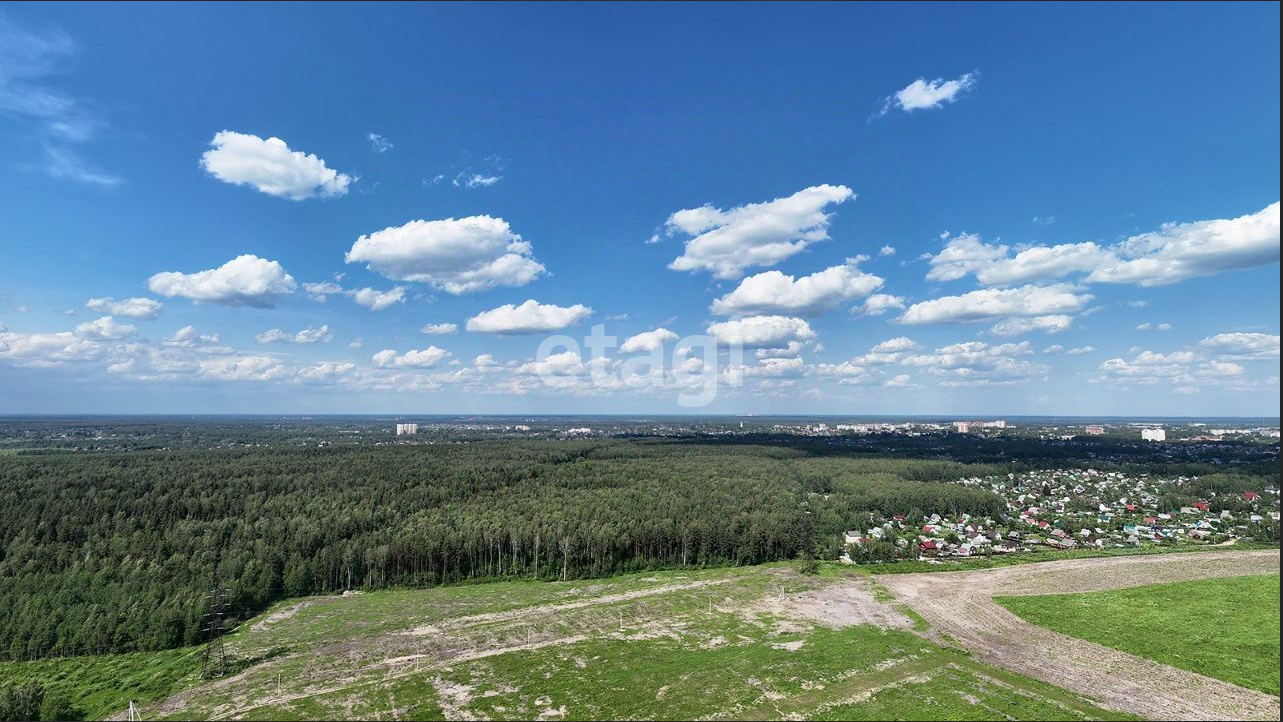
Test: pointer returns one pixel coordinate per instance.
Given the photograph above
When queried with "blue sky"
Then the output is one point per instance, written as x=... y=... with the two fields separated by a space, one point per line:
x=989 y=209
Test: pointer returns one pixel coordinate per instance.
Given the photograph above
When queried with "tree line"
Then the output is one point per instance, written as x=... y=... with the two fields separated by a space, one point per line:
x=116 y=551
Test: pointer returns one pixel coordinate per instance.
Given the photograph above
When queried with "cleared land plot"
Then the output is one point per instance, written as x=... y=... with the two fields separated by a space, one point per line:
x=1223 y=628
x=961 y=605
x=756 y=643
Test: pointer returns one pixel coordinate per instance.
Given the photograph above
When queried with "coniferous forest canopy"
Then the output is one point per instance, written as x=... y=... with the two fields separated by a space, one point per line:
x=114 y=533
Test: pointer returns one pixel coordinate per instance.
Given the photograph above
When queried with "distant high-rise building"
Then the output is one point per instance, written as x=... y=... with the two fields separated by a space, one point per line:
x=406 y=429
x=1153 y=434
x=962 y=427
x=1095 y=430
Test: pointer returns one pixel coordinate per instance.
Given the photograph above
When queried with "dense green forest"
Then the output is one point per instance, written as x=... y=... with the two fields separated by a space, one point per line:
x=117 y=551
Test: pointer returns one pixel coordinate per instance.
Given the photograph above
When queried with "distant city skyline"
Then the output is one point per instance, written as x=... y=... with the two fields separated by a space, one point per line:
x=894 y=210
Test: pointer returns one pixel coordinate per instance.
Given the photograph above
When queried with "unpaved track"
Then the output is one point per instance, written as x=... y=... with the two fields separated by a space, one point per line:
x=526 y=613
x=961 y=605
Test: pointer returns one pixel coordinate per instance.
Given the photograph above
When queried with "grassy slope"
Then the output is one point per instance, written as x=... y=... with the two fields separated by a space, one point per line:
x=1223 y=628
x=691 y=653
x=101 y=686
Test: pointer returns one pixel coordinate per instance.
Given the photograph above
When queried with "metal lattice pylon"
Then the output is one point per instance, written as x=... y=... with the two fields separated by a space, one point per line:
x=215 y=664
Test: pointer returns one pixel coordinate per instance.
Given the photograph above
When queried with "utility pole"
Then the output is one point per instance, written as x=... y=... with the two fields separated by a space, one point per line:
x=215 y=663
x=133 y=713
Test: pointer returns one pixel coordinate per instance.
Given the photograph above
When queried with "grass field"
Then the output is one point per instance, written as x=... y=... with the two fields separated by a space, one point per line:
x=1222 y=628
x=754 y=643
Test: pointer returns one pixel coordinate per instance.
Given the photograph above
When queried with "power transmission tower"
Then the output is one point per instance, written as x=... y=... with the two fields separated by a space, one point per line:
x=133 y=712
x=215 y=664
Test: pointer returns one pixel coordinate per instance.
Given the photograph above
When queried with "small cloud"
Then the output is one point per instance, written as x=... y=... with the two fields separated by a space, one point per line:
x=306 y=336
x=1138 y=304
x=357 y=342
x=377 y=300
x=443 y=329
x=1044 y=220
x=378 y=143
x=923 y=94
x=143 y=308
x=878 y=304
x=475 y=180
x=886 y=251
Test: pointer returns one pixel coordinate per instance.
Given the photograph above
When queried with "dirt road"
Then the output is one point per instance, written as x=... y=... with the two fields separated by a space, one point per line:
x=960 y=604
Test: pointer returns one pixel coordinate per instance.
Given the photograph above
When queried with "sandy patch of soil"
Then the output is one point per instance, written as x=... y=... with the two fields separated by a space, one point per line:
x=838 y=605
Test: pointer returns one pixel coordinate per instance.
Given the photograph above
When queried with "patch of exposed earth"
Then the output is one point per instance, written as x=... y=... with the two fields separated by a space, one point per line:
x=960 y=604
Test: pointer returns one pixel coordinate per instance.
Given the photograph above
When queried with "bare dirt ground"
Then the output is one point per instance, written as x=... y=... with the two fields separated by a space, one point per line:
x=836 y=606
x=960 y=604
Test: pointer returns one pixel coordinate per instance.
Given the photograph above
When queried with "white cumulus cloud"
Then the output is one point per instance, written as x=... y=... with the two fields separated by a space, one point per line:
x=439 y=329
x=1015 y=326
x=529 y=317
x=104 y=329
x=455 y=255
x=1173 y=253
x=962 y=254
x=244 y=368
x=1186 y=250
x=647 y=341
x=888 y=352
x=1243 y=345
x=246 y=280
x=306 y=336
x=319 y=292
x=762 y=331
x=975 y=363
x=993 y=303
x=880 y=303
x=271 y=167
x=141 y=308
x=377 y=300
x=424 y=358
x=726 y=242
x=773 y=292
